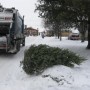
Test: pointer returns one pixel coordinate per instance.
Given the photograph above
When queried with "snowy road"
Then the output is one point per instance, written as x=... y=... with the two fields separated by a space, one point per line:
x=12 y=77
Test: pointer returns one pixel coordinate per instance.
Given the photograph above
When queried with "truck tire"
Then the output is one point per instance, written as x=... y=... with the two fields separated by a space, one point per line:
x=18 y=45
x=23 y=42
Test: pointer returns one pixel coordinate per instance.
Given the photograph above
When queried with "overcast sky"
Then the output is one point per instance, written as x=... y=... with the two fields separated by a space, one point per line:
x=26 y=8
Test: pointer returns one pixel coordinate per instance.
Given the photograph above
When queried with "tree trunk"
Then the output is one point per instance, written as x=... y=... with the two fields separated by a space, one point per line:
x=88 y=46
x=82 y=36
x=60 y=35
x=82 y=31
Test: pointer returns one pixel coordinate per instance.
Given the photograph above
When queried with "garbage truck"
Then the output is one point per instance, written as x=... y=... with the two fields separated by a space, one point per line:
x=11 y=30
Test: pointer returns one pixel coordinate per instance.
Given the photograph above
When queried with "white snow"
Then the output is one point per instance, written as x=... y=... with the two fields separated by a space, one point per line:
x=3 y=39
x=12 y=76
x=74 y=30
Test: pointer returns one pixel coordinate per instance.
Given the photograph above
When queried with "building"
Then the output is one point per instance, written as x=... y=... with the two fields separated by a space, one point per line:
x=31 y=31
x=64 y=33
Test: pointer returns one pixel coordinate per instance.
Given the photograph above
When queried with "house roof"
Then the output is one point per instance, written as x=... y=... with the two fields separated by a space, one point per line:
x=30 y=28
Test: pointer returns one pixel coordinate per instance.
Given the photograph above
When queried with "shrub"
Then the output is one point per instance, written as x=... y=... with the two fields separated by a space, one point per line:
x=38 y=58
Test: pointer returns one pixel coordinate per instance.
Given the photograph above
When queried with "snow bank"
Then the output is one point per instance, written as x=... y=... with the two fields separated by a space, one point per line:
x=12 y=77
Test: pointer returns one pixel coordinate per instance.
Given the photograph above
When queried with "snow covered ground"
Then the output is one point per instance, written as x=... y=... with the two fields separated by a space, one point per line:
x=12 y=77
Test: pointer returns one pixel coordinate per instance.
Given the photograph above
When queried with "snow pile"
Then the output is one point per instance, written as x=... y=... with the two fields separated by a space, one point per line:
x=12 y=77
x=60 y=74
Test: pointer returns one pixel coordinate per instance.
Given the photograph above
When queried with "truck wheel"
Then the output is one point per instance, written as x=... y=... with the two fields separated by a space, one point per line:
x=18 y=46
x=23 y=42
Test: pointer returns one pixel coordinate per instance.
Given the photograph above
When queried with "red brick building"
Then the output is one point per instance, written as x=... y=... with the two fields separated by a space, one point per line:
x=31 y=31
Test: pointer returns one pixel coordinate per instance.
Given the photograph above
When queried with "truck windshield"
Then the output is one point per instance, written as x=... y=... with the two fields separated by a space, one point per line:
x=4 y=29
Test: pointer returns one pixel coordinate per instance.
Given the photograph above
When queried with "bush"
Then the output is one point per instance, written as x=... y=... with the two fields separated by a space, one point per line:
x=38 y=58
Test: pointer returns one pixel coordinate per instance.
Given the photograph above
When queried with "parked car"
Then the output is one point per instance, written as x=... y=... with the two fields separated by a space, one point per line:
x=74 y=36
